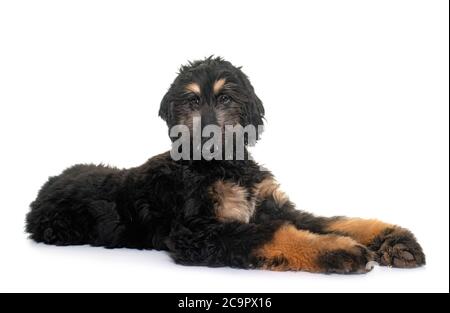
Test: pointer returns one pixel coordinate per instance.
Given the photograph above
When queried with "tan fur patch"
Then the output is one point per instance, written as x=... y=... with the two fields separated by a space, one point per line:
x=193 y=87
x=218 y=85
x=301 y=248
x=363 y=231
x=270 y=188
x=231 y=202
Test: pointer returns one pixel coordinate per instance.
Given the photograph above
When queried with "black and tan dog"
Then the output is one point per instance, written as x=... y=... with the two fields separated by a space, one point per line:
x=213 y=213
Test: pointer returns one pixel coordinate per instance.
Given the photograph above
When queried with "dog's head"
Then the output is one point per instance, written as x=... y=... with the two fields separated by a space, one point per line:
x=216 y=92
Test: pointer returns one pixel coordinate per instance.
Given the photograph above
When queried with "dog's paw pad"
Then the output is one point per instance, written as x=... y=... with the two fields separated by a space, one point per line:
x=399 y=248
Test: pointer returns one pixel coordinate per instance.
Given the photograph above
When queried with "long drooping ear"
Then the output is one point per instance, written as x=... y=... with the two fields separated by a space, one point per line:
x=253 y=111
x=255 y=116
x=256 y=110
x=165 y=109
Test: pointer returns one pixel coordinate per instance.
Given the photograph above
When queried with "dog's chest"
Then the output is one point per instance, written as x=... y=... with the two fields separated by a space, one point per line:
x=232 y=202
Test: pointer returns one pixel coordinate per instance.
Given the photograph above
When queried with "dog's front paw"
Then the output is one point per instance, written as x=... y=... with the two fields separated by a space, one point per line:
x=357 y=260
x=397 y=247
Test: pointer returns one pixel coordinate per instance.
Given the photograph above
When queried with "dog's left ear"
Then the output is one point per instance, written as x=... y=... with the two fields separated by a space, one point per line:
x=253 y=110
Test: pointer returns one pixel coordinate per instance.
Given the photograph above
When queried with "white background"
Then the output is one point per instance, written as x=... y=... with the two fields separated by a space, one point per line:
x=356 y=94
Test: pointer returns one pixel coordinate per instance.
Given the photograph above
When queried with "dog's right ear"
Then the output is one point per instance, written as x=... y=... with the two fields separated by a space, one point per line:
x=165 y=109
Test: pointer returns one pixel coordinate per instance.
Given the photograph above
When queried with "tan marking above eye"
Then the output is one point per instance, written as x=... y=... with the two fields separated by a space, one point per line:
x=193 y=87
x=231 y=202
x=218 y=85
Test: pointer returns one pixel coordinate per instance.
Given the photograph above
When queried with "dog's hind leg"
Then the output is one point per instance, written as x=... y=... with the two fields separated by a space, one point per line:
x=78 y=207
x=58 y=225
x=97 y=224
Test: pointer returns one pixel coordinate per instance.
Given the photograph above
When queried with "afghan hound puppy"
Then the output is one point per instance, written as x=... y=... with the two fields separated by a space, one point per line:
x=221 y=211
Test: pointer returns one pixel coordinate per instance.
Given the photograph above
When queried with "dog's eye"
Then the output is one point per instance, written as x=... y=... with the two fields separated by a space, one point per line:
x=193 y=100
x=224 y=99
